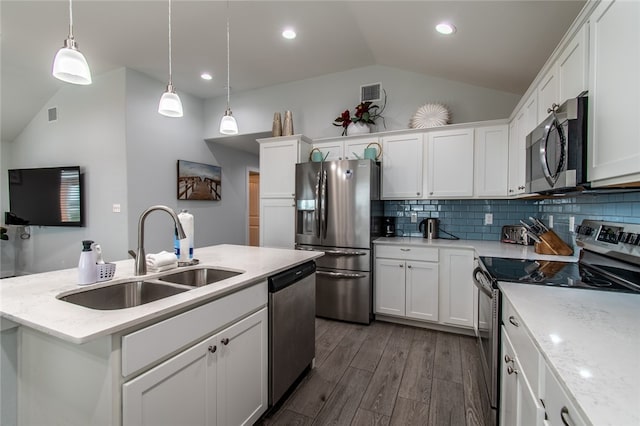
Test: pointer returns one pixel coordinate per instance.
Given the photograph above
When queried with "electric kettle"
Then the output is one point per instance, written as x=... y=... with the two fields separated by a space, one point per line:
x=429 y=228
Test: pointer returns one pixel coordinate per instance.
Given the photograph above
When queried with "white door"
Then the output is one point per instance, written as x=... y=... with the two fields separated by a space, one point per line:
x=422 y=282
x=390 y=287
x=242 y=371
x=456 y=287
x=517 y=156
x=491 y=161
x=449 y=159
x=278 y=168
x=180 y=391
x=548 y=92
x=354 y=148
x=277 y=225
x=331 y=150
x=614 y=91
x=402 y=166
x=573 y=66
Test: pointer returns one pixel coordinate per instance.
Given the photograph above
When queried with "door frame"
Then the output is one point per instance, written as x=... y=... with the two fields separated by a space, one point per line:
x=248 y=171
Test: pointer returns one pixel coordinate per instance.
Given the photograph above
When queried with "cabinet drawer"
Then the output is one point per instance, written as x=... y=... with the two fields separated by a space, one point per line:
x=426 y=254
x=152 y=343
x=559 y=408
x=524 y=347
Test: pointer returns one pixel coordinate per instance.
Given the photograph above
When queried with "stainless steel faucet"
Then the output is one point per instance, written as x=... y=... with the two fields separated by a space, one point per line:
x=141 y=257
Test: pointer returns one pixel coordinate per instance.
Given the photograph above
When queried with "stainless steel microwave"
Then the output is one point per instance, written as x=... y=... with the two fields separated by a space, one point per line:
x=557 y=150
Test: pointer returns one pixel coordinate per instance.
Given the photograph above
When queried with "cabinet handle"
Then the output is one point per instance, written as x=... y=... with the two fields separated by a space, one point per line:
x=293 y=195
x=417 y=193
x=511 y=190
x=213 y=348
x=401 y=265
x=508 y=359
x=405 y=249
x=513 y=321
x=409 y=266
x=521 y=187
x=511 y=370
x=225 y=341
x=564 y=415
x=431 y=193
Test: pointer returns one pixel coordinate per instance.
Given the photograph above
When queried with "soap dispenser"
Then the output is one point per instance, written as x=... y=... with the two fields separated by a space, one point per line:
x=87 y=269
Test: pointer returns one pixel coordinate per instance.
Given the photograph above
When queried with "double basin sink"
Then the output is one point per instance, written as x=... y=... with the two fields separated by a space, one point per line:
x=138 y=292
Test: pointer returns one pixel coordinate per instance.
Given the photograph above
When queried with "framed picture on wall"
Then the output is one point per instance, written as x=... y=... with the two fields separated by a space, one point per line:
x=197 y=181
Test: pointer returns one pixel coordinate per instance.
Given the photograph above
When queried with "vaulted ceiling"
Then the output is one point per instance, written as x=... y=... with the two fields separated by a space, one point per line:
x=498 y=44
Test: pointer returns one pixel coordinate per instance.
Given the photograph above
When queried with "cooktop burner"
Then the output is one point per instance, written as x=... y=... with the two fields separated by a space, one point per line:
x=551 y=273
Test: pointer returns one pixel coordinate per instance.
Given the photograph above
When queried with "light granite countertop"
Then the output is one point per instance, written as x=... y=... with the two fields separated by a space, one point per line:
x=31 y=300
x=483 y=248
x=595 y=348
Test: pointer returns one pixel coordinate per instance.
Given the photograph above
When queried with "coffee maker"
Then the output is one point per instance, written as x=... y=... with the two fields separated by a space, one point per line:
x=389 y=226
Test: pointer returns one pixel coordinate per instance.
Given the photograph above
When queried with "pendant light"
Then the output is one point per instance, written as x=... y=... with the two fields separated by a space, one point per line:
x=69 y=64
x=228 y=125
x=170 y=104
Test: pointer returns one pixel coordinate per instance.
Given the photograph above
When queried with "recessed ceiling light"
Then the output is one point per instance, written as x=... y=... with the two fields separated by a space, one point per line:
x=289 y=34
x=206 y=76
x=445 y=28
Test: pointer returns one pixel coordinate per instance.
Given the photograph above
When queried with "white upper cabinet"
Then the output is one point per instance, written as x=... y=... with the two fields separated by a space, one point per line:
x=449 y=159
x=517 y=156
x=347 y=149
x=573 y=66
x=491 y=159
x=614 y=93
x=278 y=158
x=548 y=92
x=402 y=166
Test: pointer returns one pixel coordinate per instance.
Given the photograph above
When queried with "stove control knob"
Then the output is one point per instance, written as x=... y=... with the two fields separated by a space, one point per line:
x=623 y=237
x=588 y=231
x=633 y=239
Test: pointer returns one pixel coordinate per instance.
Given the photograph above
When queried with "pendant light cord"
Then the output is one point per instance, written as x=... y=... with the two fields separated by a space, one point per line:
x=170 y=73
x=228 y=66
x=70 y=20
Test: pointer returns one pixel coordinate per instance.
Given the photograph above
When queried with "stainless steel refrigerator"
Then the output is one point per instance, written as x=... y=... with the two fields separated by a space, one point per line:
x=339 y=213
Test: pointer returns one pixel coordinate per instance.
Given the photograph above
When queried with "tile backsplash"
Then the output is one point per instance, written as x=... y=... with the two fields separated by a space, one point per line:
x=465 y=218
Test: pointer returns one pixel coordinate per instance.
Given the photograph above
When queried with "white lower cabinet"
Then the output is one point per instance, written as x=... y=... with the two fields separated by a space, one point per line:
x=219 y=381
x=519 y=404
x=559 y=409
x=457 y=291
x=425 y=283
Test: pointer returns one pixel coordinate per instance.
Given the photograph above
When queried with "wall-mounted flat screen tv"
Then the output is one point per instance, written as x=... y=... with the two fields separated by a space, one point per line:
x=49 y=196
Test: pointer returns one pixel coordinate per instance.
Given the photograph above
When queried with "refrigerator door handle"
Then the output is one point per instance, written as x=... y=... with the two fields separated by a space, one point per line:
x=323 y=206
x=316 y=213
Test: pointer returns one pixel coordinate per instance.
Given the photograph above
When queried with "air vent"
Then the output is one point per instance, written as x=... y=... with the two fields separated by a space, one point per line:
x=53 y=114
x=370 y=92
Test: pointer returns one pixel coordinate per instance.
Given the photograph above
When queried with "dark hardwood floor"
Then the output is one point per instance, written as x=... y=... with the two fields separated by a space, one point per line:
x=388 y=374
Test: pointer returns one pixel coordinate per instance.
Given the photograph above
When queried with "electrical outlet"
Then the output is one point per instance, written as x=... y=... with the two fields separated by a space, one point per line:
x=572 y=224
x=116 y=208
x=550 y=221
x=414 y=217
x=488 y=218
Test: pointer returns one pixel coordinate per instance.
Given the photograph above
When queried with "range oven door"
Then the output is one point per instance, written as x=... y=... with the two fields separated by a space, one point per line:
x=488 y=330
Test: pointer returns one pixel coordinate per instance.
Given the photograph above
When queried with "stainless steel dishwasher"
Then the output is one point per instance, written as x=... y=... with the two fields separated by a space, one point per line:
x=292 y=330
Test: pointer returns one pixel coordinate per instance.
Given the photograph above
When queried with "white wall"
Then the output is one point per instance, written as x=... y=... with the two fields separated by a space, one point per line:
x=90 y=133
x=316 y=102
x=154 y=144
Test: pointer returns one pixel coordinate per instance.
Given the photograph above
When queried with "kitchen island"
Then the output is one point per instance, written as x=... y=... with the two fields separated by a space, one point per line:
x=196 y=356
x=590 y=343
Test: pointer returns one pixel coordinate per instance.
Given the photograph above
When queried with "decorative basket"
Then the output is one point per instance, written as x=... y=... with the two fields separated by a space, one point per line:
x=105 y=271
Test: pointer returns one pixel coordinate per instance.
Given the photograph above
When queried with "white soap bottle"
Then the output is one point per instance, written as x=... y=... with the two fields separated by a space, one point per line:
x=87 y=269
x=185 y=249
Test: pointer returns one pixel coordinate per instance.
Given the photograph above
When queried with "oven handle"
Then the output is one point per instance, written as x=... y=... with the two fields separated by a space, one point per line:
x=481 y=287
x=340 y=275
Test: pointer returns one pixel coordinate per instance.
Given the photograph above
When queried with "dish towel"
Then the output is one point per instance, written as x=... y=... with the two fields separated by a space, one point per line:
x=162 y=261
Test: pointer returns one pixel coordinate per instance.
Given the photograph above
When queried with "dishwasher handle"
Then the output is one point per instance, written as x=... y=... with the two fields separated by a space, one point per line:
x=291 y=276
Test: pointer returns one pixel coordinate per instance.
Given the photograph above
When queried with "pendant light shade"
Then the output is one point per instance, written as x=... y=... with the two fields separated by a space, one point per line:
x=170 y=104
x=228 y=124
x=69 y=64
